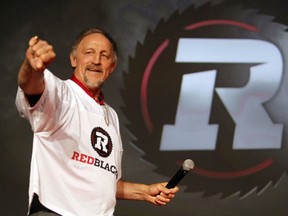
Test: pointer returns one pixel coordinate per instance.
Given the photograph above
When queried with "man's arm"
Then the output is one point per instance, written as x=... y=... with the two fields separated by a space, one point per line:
x=38 y=56
x=156 y=193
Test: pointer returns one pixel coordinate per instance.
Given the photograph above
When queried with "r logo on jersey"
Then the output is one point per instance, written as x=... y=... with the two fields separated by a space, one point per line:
x=101 y=142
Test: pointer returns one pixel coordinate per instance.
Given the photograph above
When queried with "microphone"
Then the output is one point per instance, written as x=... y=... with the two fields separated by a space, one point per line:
x=187 y=166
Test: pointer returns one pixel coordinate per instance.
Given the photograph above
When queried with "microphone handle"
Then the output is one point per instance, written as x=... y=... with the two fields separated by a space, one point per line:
x=176 y=178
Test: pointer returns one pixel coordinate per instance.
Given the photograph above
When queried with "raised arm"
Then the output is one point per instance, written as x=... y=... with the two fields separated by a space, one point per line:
x=156 y=194
x=38 y=56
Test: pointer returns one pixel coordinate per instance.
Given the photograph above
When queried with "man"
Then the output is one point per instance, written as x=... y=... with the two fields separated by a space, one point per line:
x=77 y=149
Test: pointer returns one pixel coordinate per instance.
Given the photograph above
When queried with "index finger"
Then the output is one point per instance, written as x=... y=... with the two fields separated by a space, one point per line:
x=34 y=40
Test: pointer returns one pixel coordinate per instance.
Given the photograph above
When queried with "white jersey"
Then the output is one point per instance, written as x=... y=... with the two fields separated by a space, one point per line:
x=77 y=150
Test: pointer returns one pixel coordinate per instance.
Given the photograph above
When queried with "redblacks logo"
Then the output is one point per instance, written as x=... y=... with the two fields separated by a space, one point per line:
x=211 y=88
x=86 y=159
x=101 y=142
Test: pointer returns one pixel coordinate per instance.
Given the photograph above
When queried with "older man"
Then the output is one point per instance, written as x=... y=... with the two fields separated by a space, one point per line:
x=77 y=148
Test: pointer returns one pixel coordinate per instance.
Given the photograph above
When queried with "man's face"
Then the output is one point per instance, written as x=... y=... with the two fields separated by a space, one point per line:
x=93 y=61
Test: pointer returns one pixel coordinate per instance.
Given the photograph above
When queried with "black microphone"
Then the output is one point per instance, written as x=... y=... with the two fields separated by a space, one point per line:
x=187 y=166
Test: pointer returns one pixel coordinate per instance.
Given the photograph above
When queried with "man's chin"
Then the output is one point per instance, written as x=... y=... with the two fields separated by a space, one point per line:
x=94 y=85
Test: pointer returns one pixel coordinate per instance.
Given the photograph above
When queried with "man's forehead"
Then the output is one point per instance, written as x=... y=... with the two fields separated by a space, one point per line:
x=96 y=38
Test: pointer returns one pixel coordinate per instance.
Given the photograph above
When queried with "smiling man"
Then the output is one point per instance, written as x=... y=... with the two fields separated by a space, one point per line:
x=77 y=148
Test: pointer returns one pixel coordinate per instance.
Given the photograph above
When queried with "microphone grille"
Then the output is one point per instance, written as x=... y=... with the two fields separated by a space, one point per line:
x=188 y=165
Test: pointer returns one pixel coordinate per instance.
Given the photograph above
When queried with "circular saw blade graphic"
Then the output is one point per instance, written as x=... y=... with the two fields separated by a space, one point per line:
x=152 y=90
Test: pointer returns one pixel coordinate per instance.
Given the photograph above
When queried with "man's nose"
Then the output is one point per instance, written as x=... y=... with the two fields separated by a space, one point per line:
x=96 y=59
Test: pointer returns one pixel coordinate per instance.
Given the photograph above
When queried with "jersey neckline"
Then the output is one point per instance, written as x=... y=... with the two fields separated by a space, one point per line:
x=100 y=100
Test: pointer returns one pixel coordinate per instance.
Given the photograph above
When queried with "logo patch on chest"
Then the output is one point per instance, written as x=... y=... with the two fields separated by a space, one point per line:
x=101 y=142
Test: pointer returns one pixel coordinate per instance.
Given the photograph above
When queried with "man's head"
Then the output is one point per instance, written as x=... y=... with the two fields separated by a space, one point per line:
x=93 y=57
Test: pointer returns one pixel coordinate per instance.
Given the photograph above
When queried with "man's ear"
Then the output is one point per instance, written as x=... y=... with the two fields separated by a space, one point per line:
x=113 y=67
x=72 y=60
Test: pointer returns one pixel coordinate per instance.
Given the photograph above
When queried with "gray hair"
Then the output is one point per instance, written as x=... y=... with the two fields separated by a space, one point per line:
x=94 y=30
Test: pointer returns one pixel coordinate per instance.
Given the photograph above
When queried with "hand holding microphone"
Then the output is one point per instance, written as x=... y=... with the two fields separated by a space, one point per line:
x=187 y=166
x=160 y=195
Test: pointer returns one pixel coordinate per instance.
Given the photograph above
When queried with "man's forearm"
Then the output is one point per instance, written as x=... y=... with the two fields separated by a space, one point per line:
x=30 y=81
x=131 y=191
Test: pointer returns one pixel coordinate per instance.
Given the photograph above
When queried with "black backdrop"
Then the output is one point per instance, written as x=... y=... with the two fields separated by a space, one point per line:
x=58 y=21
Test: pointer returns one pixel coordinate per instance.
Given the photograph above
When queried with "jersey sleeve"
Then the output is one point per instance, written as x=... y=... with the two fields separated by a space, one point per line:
x=45 y=113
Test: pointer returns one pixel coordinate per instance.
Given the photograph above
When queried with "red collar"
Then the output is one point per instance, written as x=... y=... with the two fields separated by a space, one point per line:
x=100 y=100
